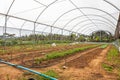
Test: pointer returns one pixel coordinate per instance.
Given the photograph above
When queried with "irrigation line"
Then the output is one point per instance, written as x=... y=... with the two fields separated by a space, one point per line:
x=27 y=69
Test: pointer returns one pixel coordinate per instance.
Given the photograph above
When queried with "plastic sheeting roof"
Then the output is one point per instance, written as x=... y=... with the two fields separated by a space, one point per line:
x=80 y=16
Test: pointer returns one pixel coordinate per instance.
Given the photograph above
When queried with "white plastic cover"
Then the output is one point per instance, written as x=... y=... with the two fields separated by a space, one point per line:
x=81 y=16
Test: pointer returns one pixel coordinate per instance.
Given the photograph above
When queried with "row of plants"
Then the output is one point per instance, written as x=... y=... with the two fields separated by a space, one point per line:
x=8 y=42
x=19 y=42
x=104 y=46
x=112 y=62
x=59 y=54
x=25 y=48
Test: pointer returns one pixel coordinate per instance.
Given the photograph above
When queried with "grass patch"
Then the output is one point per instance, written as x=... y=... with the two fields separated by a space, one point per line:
x=112 y=55
x=112 y=62
x=107 y=67
x=50 y=73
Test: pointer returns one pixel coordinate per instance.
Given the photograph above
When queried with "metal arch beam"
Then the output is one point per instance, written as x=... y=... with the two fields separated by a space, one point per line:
x=93 y=30
x=107 y=32
x=24 y=29
x=86 y=25
x=31 y=21
x=84 y=8
x=88 y=20
x=90 y=23
x=89 y=32
x=91 y=27
x=112 y=5
x=44 y=10
x=87 y=15
x=82 y=12
x=102 y=30
x=79 y=23
x=5 y=26
x=41 y=14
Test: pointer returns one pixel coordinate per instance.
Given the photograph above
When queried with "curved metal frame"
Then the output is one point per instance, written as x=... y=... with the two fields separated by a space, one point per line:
x=6 y=16
x=102 y=30
x=41 y=14
x=92 y=30
x=87 y=27
x=87 y=15
x=112 y=5
x=58 y=17
x=88 y=20
x=91 y=23
x=44 y=10
x=83 y=8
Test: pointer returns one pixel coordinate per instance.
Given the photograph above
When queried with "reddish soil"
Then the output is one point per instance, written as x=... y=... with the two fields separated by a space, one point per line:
x=44 y=50
x=80 y=66
x=9 y=73
x=30 y=57
x=51 y=62
x=85 y=67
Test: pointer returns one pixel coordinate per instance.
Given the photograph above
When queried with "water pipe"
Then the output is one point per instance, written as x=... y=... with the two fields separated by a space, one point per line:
x=27 y=69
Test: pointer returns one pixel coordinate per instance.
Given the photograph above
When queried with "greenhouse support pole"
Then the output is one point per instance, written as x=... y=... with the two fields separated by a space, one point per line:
x=27 y=69
x=51 y=33
x=62 y=34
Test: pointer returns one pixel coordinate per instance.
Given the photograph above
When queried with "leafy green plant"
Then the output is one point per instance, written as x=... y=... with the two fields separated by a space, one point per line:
x=38 y=60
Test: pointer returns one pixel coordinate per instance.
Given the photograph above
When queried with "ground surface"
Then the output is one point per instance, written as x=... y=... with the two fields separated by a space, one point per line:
x=86 y=66
x=81 y=66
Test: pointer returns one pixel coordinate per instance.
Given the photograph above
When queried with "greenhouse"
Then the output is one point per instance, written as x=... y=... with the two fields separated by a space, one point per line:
x=59 y=39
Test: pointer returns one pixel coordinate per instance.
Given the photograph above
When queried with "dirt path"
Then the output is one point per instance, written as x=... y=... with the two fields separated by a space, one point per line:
x=9 y=73
x=88 y=68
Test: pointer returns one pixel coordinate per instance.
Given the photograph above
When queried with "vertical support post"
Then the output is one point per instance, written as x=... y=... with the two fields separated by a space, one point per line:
x=62 y=34
x=4 y=33
x=51 y=33
x=117 y=33
x=100 y=36
x=34 y=34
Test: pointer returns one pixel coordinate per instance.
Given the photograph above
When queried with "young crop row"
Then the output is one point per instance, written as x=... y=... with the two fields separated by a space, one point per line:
x=104 y=46
x=59 y=54
x=24 y=48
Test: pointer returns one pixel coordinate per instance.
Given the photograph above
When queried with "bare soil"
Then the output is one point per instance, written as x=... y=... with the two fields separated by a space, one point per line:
x=9 y=73
x=80 y=66
x=86 y=67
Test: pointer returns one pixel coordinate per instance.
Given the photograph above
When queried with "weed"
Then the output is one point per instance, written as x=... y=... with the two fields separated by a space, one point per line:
x=51 y=73
x=107 y=67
